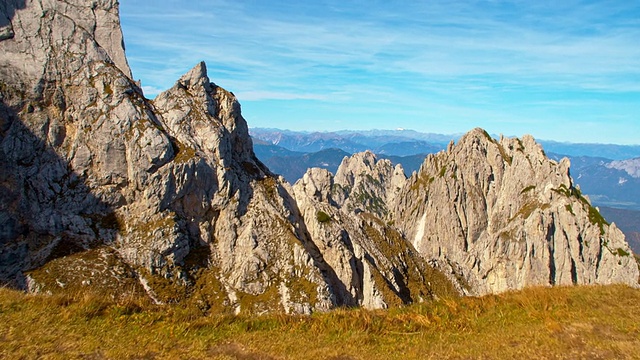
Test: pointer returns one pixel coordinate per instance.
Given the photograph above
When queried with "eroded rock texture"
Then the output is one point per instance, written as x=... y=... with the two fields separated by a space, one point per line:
x=102 y=189
x=502 y=216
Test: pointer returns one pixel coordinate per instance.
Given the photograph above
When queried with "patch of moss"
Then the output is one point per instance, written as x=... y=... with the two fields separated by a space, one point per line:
x=166 y=290
x=504 y=154
x=527 y=189
x=596 y=218
x=148 y=227
x=569 y=208
x=267 y=301
x=99 y=271
x=508 y=236
x=271 y=187
x=107 y=89
x=371 y=179
x=322 y=216
x=301 y=290
x=422 y=181
x=208 y=294
x=183 y=153
x=486 y=134
x=622 y=252
x=529 y=207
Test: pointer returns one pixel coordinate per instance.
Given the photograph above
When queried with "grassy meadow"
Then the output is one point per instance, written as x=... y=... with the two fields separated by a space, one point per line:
x=594 y=322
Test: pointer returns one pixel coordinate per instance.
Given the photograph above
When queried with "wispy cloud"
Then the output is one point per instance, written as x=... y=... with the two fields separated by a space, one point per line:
x=496 y=58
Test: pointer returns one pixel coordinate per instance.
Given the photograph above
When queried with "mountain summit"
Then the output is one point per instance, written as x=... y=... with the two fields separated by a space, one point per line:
x=104 y=190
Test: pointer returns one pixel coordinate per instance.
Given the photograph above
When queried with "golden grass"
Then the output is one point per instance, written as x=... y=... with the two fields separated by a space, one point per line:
x=555 y=323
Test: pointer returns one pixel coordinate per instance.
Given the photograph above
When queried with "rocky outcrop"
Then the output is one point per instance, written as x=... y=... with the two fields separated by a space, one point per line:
x=172 y=186
x=103 y=189
x=502 y=216
x=362 y=183
x=65 y=111
x=378 y=267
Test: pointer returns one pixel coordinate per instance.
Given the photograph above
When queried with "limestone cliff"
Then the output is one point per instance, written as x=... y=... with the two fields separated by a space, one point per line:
x=501 y=215
x=362 y=183
x=102 y=189
x=377 y=266
x=172 y=185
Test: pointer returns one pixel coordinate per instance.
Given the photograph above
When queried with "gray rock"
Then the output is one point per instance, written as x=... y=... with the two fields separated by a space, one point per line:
x=508 y=217
x=104 y=190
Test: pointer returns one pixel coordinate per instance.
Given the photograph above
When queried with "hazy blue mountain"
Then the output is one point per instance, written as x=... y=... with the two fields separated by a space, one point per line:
x=628 y=221
x=306 y=142
x=407 y=148
x=608 y=151
x=399 y=135
x=265 y=150
x=292 y=167
x=410 y=163
x=605 y=186
x=389 y=142
x=382 y=141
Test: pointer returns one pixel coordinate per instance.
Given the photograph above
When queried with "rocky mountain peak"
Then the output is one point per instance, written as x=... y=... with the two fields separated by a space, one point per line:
x=502 y=215
x=105 y=190
x=364 y=183
x=196 y=76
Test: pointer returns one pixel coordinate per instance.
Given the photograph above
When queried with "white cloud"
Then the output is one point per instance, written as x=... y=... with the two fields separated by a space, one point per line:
x=374 y=56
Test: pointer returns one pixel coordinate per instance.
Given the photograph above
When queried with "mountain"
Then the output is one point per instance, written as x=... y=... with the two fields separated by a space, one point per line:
x=105 y=191
x=293 y=165
x=306 y=142
x=628 y=221
x=501 y=215
x=609 y=151
x=408 y=142
x=606 y=181
x=389 y=143
x=630 y=166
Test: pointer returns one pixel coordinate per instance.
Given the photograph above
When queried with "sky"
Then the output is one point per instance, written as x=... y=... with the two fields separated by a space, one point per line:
x=558 y=70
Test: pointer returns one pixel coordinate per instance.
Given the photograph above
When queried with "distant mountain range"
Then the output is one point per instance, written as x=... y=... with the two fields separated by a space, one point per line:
x=609 y=174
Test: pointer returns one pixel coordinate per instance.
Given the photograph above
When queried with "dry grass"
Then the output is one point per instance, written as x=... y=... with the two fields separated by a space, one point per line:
x=564 y=322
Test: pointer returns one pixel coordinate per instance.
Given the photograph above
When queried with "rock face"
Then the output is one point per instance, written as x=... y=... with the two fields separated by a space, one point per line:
x=377 y=266
x=172 y=186
x=103 y=189
x=67 y=104
x=365 y=184
x=501 y=215
x=167 y=195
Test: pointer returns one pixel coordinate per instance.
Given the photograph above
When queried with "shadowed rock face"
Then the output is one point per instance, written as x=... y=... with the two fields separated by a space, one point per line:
x=174 y=188
x=104 y=189
x=169 y=192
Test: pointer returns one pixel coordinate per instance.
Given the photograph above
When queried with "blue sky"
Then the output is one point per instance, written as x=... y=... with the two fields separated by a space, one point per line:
x=559 y=70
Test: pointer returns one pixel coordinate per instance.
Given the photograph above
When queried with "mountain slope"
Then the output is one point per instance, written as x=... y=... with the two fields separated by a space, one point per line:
x=504 y=216
x=164 y=198
x=103 y=190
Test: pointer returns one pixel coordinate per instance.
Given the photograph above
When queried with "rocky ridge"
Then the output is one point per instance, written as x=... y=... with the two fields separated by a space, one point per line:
x=502 y=216
x=106 y=190
x=166 y=193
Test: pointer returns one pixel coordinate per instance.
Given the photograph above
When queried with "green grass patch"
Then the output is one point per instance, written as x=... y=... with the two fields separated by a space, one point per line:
x=322 y=216
x=527 y=189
